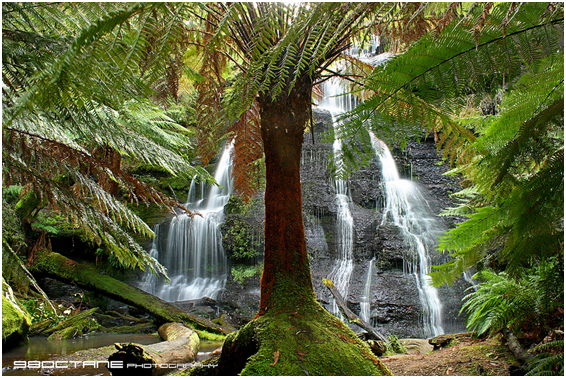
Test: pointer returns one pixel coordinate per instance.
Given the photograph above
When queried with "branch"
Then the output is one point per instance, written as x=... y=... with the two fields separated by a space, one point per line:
x=349 y=314
x=345 y=77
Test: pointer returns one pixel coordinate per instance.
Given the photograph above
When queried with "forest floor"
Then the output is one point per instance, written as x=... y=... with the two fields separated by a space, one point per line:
x=463 y=356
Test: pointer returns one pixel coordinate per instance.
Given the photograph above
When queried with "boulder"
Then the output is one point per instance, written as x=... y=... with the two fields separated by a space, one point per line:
x=15 y=323
x=416 y=346
x=440 y=341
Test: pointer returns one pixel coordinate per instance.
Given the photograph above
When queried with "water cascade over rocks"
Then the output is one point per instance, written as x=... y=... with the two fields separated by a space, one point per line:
x=336 y=103
x=376 y=255
x=193 y=253
x=407 y=209
x=365 y=305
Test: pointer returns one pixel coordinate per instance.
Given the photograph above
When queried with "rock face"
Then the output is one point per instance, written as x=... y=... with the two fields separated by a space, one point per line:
x=395 y=308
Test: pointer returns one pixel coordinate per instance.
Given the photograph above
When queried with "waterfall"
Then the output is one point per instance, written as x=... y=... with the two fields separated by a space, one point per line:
x=149 y=280
x=337 y=103
x=365 y=300
x=193 y=255
x=406 y=208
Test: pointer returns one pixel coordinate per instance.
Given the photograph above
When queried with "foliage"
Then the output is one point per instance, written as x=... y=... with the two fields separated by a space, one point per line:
x=237 y=240
x=39 y=311
x=12 y=231
x=529 y=302
x=241 y=272
x=549 y=360
x=394 y=346
x=78 y=78
x=506 y=62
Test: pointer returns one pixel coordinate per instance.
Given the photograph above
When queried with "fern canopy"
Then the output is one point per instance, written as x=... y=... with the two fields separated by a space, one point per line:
x=80 y=81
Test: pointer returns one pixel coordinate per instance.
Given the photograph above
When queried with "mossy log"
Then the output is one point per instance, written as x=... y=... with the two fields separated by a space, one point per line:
x=135 y=328
x=54 y=265
x=373 y=333
x=181 y=346
x=75 y=325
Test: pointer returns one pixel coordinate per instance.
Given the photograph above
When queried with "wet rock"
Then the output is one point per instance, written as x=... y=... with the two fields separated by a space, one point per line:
x=440 y=341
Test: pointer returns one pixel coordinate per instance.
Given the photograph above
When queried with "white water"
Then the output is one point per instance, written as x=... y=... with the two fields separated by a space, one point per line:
x=194 y=256
x=336 y=103
x=407 y=209
x=365 y=300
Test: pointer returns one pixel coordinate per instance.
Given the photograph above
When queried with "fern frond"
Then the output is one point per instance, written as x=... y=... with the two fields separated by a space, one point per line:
x=247 y=153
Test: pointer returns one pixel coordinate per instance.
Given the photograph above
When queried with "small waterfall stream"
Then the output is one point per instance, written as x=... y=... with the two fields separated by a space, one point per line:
x=193 y=255
x=407 y=209
x=365 y=300
x=336 y=103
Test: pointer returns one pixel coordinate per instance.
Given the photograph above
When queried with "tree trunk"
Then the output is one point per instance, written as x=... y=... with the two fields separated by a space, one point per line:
x=180 y=347
x=292 y=334
x=286 y=279
x=54 y=265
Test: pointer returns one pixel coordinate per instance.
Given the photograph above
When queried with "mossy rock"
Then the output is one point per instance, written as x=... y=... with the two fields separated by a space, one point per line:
x=308 y=341
x=15 y=324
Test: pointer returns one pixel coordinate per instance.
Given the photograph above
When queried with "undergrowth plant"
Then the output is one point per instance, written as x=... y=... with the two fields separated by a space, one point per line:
x=549 y=359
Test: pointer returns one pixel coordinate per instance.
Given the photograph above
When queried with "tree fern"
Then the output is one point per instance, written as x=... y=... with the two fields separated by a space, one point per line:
x=425 y=86
x=79 y=77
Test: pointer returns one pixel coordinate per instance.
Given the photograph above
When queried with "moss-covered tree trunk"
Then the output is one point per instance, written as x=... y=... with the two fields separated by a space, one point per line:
x=292 y=333
x=286 y=276
x=54 y=265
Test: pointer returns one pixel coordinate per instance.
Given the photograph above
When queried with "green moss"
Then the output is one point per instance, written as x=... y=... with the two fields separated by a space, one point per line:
x=15 y=324
x=73 y=326
x=204 y=335
x=151 y=214
x=27 y=204
x=204 y=368
x=308 y=341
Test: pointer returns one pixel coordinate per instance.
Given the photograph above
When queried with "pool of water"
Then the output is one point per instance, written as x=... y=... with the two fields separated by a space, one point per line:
x=43 y=351
x=40 y=349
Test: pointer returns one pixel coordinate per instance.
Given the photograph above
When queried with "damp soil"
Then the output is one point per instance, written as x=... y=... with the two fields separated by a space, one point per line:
x=465 y=356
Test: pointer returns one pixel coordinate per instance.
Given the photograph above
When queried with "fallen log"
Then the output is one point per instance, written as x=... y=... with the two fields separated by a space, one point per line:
x=54 y=265
x=353 y=318
x=514 y=346
x=179 y=349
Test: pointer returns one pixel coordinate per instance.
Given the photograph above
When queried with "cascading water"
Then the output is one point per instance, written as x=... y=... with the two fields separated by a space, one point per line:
x=337 y=103
x=407 y=209
x=194 y=256
x=149 y=280
x=365 y=300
